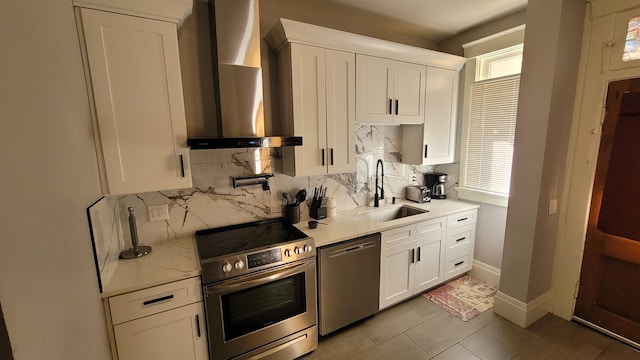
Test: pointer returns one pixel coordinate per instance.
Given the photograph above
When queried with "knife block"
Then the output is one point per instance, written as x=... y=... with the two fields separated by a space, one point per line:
x=318 y=212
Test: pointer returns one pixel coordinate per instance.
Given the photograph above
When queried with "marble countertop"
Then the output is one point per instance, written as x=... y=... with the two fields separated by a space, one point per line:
x=168 y=261
x=178 y=259
x=349 y=224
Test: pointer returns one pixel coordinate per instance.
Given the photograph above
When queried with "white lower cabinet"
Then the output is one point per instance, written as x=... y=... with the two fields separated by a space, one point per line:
x=411 y=260
x=417 y=257
x=461 y=234
x=163 y=322
x=173 y=334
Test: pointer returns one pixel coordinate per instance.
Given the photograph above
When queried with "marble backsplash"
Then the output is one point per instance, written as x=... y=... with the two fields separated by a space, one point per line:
x=213 y=202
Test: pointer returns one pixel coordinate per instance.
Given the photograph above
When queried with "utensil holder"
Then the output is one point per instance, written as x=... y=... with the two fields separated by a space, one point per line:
x=292 y=213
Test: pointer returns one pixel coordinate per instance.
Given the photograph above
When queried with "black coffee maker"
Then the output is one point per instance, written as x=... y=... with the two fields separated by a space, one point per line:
x=435 y=181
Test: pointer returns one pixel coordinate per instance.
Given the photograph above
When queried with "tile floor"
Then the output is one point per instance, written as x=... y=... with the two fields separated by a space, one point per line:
x=419 y=329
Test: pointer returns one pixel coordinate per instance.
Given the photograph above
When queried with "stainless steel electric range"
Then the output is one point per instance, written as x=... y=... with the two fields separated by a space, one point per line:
x=259 y=282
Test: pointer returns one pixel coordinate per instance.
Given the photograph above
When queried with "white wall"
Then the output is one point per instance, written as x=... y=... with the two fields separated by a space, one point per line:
x=548 y=82
x=492 y=219
x=48 y=286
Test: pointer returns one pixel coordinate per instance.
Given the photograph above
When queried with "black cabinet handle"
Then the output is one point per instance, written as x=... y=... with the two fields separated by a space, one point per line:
x=419 y=254
x=331 y=156
x=322 y=157
x=413 y=256
x=425 y=151
x=459 y=263
x=198 y=324
x=390 y=106
x=397 y=106
x=181 y=165
x=462 y=238
x=463 y=219
x=153 y=301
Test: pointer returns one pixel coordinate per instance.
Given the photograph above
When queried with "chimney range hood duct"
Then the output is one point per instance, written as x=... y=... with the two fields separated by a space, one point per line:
x=235 y=35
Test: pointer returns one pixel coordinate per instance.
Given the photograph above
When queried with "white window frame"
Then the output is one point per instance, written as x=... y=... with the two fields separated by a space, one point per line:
x=503 y=41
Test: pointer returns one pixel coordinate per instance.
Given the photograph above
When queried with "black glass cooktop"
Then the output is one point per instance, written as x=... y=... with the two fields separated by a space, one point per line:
x=245 y=237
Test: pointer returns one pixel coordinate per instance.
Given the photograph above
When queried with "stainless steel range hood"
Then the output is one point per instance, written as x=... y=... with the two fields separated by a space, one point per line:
x=235 y=35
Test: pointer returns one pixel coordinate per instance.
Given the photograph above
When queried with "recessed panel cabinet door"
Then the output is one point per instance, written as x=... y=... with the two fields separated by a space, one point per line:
x=409 y=87
x=309 y=109
x=341 y=89
x=135 y=81
x=374 y=90
x=175 y=334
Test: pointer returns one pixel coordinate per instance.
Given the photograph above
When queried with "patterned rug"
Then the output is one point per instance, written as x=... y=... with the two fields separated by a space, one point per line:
x=464 y=298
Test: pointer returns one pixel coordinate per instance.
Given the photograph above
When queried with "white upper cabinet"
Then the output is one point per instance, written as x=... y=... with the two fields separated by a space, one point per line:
x=318 y=103
x=389 y=92
x=394 y=84
x=434 y=142
x=135 y=87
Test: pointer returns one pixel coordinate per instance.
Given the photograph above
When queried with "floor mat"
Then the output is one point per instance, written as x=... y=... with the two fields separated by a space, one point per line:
x=464 y=298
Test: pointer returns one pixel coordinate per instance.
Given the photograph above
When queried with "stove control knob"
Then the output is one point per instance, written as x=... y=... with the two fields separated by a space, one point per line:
x=239 y=264
x=227 y=268
x=297 y=250
x=308 y=248
x=287 y=253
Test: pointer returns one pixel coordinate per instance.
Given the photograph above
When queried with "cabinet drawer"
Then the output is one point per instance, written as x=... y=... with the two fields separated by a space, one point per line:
x=399 y=236
x=462 y=219
x=159 y=298
x=430 y=227
x=460 y=238
x=458 y=263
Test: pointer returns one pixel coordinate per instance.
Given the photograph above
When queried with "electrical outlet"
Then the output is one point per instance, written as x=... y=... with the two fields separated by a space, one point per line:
x=158 y=212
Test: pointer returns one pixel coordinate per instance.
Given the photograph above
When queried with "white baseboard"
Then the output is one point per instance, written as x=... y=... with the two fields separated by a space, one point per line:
x=486 y=273
x=520 y=313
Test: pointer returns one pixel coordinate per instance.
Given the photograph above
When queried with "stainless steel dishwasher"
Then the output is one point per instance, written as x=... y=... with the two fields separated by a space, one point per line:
x=349 y=282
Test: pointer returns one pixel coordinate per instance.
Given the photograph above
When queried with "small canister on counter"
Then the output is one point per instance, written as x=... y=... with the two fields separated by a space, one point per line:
x=331 y=205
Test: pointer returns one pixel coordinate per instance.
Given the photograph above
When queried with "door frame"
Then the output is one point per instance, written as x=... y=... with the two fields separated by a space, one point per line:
x=583 y=152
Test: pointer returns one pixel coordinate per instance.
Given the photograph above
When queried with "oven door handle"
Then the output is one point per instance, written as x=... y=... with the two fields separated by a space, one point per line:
x=261 y=279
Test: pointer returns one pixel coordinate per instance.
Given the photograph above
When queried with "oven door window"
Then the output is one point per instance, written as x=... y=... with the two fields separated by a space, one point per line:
x=260 y=306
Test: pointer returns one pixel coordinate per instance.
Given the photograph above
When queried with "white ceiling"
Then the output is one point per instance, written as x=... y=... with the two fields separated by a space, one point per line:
x=436 y=19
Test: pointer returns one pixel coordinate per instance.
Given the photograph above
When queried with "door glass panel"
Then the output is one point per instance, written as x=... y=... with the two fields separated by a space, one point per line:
x=632 y=40
x=258 y=307
x=621 y=195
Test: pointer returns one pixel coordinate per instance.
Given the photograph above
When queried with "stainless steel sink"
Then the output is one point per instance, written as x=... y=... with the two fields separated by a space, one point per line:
x=394 y=213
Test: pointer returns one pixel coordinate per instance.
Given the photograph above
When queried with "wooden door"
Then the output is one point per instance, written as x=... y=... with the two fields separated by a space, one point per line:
x=609 y=294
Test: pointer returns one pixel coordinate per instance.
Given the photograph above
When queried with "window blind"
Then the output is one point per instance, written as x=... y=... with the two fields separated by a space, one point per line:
x=492 y=125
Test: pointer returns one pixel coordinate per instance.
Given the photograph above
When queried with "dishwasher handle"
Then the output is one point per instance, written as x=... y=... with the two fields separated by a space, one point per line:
x=353 y=249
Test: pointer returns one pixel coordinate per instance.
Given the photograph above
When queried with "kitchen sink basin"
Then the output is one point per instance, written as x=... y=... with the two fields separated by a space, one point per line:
x=394 y=213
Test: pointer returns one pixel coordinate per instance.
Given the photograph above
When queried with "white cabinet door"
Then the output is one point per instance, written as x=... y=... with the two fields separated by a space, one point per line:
x=397 y=256
x=429 y=262
x=440 y=116
x=374 y=90
x=175 y=334
x=322 y=110
x=309 y=109
x=134 y=74
x=341 y=104
x=389 y=92
x=396 y=274
x=434 y=143
x=409 y=93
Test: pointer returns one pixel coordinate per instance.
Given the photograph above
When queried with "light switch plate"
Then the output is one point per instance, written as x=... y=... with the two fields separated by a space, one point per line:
x=553 y=206
x=158 y=212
